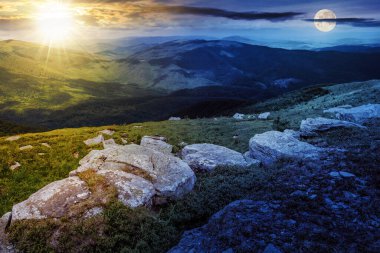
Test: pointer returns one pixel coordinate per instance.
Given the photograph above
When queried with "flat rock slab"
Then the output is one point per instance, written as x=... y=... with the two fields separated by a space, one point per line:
x=171 y=177
x=312 y=126
x=157 y=143
x=53 y=201
x=13 y=138
x=94 y=141
x=133 y=191
x=26 y=148
x=360 y=114
x=206 y=157
x=232 y=229
x=272 y=146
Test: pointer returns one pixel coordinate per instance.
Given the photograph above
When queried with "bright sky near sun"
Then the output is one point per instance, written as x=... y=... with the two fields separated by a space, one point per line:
x=63 y=20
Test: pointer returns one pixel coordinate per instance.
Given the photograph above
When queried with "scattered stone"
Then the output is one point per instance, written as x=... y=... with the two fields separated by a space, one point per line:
x=124 y=141
x=46 y=145
x=15 y=166
x=264 y=115
x=137 y=126
x=171 y=177
x=339 y=174
x=13 y=138
x=271 y=249
x=107 y=132
x=175 y=119
x=94 y=141
x=109 y=143
x=93 y=212
x=41 y=154
x=239 y=116
x=312 y=126
x=157 y=143
x=133 y=191
x=182 y=144
x=53 y=200
x=206 y=157
x=272 y=146
x=360 y=114
x=76 y=155
x=25 y=148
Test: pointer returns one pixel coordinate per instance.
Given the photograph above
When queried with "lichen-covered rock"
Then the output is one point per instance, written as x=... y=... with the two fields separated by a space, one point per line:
x=52 y=201
x=360 y=114
x=312 y=126
x=157 y=143
x=94 y=141
x=170 y=176
x=272 y=146
x=133 y=191
x=206 y=157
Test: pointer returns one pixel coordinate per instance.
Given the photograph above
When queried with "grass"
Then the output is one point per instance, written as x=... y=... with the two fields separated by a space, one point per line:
x=37 y=171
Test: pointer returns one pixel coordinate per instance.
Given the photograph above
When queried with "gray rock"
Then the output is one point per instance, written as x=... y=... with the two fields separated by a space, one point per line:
x=15 y=166
x=107 y=132
x=341 y=174
x=251 y=161
x=109 y=143
x=157 y=143
x=206 y=157
x=53 y=200
x=94 y=141
x=46 y=145
x=239 y=116
x=175 y=119
x=264 y=115
x=312 y=126
x=271 y=146
x=93 y=212
x=133 y=191
x=25 y=148
x=171 y=177
x=360 y=114
x=5 y=221
x=13 y=138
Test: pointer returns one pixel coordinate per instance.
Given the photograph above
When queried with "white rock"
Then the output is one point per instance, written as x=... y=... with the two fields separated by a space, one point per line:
x=206 y=157
x=175 y=118
x=157 y=143
x=359 y=114
x=107 y=132
x=53 y=201
x=264 y=115
x=109 y=143
x=124 y=141
x=339 y=174
x=311 y=126
x=13 y=138
x=25 y=148
x=15 y=166
x=46 y=145
x=170 y=176
x=94 y=141
x=239 y=116
x=272 y=146
x=133 y=191
x=93 y=212
x=5 y=221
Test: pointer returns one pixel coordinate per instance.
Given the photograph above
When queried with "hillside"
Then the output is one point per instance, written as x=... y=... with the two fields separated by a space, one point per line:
x=159 y=229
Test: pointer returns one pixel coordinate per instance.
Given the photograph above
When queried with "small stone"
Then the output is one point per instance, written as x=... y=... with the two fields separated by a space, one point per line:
x=334 y=174
x=346 y=174
x=107 y=132
x=312 y=197
x=264 y=115
x=46 y=145
x=41 y=154
x=298 y=193
x=109 y=143
x=15 y=166
x=13 y=138
x=239 y=116
x=76 y=155
x=24 y=148
x=174 y=119
x=94 y=141
x=124 y=141
x=93 y=212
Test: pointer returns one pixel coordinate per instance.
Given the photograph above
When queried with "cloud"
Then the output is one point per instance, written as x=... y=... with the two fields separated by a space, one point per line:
x=357 y=22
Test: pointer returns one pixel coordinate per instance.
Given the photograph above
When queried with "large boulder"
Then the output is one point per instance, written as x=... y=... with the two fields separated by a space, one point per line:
x=53 y=201
x=133 y=191
x=272 y=146
x=312 y=126
x=157 y=143
x=360 y=114
x=206 y=157
x=232 y=229
x=170 y=176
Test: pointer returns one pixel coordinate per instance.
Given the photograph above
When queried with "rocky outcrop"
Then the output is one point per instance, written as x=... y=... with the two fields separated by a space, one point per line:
x=133 y=191
x=360 y=114
x=157 y=143
x=94 y=141
x=313 y=126
x=206 y=157
x=170 y=176
x=272 y=146
x=232 y=229
x=53 y=201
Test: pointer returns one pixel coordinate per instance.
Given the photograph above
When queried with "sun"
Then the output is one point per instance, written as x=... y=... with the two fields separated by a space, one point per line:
x=55 y=21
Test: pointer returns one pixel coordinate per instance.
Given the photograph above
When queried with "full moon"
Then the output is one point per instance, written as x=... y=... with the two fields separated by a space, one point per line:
x=325 y=26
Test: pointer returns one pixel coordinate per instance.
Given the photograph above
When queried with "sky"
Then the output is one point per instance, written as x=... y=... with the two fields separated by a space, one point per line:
x=270 y=21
